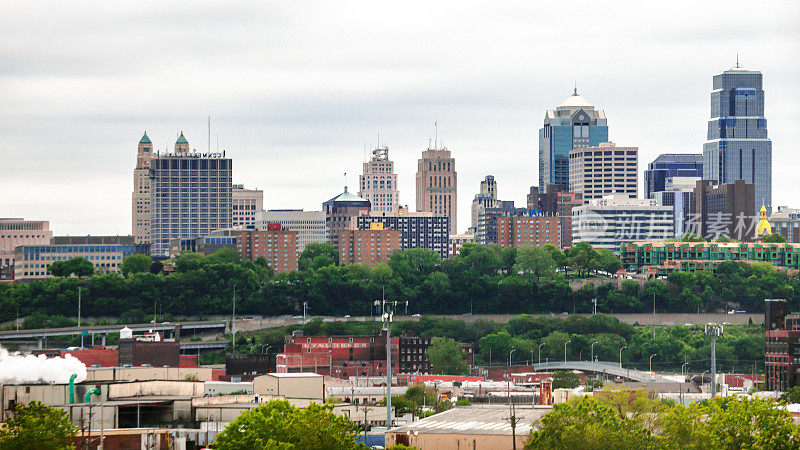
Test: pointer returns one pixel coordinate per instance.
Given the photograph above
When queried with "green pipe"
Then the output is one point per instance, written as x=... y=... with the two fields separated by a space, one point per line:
x=72 y=388
x=88 y=397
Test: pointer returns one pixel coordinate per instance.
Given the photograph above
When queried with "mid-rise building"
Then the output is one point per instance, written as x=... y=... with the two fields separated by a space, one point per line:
x=413 y=358
x=340 y=212
x=337 y=356
x=529 y=231
x=670 y=165
x=437 y=184
x=786 y=222
x=486 y=233
x=32 y=261
x=738 y=147
x=557 y=202
x=573 y=124
x=140 y=201
x=191 y=195
x=246 y=204
x=485 y=198
x=667 y=257
x=603 y=170
x=15 y=232
x=617 y=218
x=310 y=225
x=205 y=245
x=458 y=240
x=417 y=229
x=781 y=354
x=724 y=210
x=368 y=247
x=679 y=194
x=379 y=182
x=276 y=245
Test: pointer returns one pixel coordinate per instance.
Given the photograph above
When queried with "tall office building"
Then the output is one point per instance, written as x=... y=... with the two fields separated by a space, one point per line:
x=379 y=182
x=670 y=165
x=340 y=212
x=310 y=225
x=603 y=170
x=246 y=203
x=485 y=198
x=437 y=185
x=738 y=147
x=15 y=232
x=140 y=213
x=190 y=193
x=573 y=124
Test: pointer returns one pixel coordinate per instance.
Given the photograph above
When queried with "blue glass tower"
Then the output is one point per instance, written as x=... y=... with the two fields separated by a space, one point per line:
x=738 y=147
x=573 y=124
x=670 y=165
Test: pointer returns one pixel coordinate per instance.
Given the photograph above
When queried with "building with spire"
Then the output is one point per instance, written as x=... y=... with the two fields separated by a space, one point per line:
x=379 y=182
x=140 y=198
x=575 y=123
x=738 y=147
x=340 y=214
x=190 y=195
x=437 y=184
x=763 y=224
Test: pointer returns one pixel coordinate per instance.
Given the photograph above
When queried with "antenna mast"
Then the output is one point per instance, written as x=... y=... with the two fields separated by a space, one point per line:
x=436 y=135
x=209 y=134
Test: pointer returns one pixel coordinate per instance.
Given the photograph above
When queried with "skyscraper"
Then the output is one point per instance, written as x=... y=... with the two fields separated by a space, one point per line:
x=670 y=165
x=485 y=198
x=140 y=201
x=437 y=185
x=573 y=124
x=738 y=147
x=246 y=204
x=190 y=195
x=340 y=212
x=379 y=182
x=606 y=169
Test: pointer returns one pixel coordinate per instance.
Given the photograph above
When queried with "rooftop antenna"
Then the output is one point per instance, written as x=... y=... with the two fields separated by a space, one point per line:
x=217 y=142
x=209 y=134
x=737 y=60
x=575 y=89
x=345 y=181
x=436 y=138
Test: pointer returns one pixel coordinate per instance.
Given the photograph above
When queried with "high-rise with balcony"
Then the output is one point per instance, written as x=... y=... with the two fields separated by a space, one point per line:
x=140 y=207
x=437 y=184
x=738 y=147
x=190 y=195
x=573 y=124
x=379 y=182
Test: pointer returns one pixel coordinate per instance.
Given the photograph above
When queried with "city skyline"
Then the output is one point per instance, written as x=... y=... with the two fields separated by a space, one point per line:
x=79 y=102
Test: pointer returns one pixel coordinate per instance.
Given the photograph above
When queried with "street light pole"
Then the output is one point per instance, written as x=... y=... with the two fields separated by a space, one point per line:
x=620 y=355
x=509 y=356
x=79 y=314
x=540 y=351
x=651 y=362
x=595 y=342
x=714 y=330
x=565 y=349
x=233 y=319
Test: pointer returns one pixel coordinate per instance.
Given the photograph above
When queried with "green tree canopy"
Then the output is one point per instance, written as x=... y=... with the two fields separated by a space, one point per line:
x=37 y=426
x=80 y=267
x=279 y=425
x=536 y=261
x=135 y=264
x=316 y=255
x=566 y=379
x=774 y=238
x=446 y=357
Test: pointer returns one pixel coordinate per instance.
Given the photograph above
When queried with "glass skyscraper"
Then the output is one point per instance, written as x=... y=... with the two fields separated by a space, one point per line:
x=669 y=165
x=573 y=124
x=738 y=147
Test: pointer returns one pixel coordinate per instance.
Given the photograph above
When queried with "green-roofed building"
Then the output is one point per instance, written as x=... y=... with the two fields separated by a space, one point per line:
x=339 y=214
x=181 y=145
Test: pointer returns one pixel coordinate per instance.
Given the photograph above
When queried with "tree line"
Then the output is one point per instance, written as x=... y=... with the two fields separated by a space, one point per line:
x=480 y=279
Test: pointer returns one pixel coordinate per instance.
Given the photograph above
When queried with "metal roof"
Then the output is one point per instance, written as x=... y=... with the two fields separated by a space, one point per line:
x=477 y=420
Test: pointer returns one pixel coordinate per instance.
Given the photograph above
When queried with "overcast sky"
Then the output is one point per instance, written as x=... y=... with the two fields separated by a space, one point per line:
x=295 y=89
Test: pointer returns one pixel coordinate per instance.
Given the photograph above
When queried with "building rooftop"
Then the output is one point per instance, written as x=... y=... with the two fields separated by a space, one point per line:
x=294 y=375
x=145 y=139
x=477 y=420
x=182 y=139
x=347 y=197
x=575 y=100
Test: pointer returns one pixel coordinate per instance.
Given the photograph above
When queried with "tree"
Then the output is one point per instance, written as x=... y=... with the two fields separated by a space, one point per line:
x=446 y=357
x=690 y=237
x=588 y=423
x=792 y=395
x=224 y=255
x=535 y=261
x=279 y=425
x=80 y=267
x=316 y=255
x=774 y=238
x=607 y=261
x=135 y=264
x=566 y=379
x=37 y=426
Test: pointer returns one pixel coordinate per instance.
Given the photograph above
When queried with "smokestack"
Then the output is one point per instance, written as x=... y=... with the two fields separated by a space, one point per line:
x=16 y=368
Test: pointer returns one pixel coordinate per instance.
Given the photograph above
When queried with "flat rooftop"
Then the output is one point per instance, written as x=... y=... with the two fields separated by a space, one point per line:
x=478 y=420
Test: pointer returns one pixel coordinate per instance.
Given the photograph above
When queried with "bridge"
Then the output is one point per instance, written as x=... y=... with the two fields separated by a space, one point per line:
x=602 y=367
x=175 y=329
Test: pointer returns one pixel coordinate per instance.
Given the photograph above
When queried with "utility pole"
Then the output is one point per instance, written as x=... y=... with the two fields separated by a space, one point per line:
x=386 y=318
x=233 y=320
x=714 y=330
x=654 y=314
x=512 y=419
x=79 y=315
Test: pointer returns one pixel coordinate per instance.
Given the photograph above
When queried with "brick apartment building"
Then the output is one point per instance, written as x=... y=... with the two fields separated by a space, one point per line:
x=276 y=245
x=534 y=231
x=781 y=339
x=338 y=356
x=368 y=247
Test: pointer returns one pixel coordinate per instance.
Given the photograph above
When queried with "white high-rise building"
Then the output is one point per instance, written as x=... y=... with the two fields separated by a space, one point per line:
x=379 y=182
x=618 y=218
x=246 y=203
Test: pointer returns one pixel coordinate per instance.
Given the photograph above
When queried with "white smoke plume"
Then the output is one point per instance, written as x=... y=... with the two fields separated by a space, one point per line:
x=16 y=368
